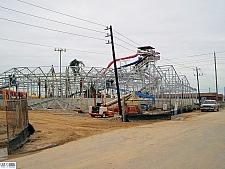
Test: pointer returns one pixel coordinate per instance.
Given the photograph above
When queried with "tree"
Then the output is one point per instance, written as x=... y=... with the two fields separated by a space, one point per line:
x=75 y=66
x=92 y=89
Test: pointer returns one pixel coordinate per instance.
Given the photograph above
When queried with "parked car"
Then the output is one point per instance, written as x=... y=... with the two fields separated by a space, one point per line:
x=208 y=105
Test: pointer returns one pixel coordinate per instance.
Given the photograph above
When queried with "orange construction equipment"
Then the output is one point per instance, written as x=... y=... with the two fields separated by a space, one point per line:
x=116 y=100
x=132 y=110
x=116 y=109
x=128 y=109
x=99 y=109
x=97 y=95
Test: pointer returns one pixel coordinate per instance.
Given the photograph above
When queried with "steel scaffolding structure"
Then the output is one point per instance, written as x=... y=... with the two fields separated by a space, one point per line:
x=143 y=77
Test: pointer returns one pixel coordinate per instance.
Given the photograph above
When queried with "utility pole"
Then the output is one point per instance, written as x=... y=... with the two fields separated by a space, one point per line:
x=216 y=77
x=60 y=50
x=182 y=96
x=197 y=74
x=115 y=68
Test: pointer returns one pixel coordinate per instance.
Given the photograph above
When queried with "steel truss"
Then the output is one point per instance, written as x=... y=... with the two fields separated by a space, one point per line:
x=145 y=77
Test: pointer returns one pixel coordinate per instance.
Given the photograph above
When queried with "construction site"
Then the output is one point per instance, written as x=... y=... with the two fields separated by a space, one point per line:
x=138 y=90
x=112 y=84
x=69 y=88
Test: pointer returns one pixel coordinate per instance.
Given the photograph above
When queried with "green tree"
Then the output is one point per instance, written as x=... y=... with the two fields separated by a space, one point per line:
x=75 y=66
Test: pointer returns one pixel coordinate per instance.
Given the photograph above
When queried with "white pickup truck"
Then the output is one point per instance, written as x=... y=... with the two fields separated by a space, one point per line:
x=209 y=105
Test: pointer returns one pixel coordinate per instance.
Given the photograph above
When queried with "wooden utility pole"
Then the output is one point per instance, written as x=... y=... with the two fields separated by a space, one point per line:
x=216 y=76
x=197 y=74
x=115 y=70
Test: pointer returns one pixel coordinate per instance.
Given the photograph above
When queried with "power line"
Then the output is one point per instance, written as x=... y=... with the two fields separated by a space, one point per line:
x=28 y=43
x=220 y=58
x=190 y=62
x=220 y=52
x=208 y=79
x=50 y=29
x=99 y=53
x=127 y=38
x=197 y=60
x=199 y=55
x=61 y=13
x=70 y=25
x=204 y=64
x=124 y=47
x=51 y=20
x=183 y=65
x=36 y=44
x=124 y=41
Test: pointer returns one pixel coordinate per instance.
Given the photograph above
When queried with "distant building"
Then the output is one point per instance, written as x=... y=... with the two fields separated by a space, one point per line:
x=203 y=96
x=211 y=96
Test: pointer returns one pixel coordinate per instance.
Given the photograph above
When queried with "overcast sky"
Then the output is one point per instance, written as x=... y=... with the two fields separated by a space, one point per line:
x=185 y=32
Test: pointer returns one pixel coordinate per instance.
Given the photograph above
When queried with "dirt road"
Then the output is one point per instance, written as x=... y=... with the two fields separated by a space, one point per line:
x=59 y=127
x=196 y=142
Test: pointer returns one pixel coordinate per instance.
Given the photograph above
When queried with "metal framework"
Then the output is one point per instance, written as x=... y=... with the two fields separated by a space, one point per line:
x=143 y=77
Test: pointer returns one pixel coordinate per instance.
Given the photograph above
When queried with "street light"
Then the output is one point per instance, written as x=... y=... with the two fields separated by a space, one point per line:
x=60 y=50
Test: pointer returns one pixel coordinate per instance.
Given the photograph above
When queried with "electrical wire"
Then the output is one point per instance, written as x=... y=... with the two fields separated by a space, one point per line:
x=93 y=37
x=63 y=31
x=126 y=37
x=36 y=44
x=120 y=44
x=28 y=43
x=198 y=55
x=218 y=58
x=51 y=20
x=220 y=52
x=124 y=41
x=192 y=61
x=124 y=47
x=198 y=60
x=204 y=64
x=182 y=65
x=84 y=20
x=99 y=53
x=208 y=79
x=50 y=29
x=66 y=23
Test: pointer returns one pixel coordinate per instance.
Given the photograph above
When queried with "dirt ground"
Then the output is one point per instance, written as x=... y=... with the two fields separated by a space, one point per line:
x=53 y=128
